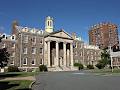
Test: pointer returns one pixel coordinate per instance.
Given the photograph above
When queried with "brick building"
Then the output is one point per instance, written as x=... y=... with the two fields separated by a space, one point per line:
x=58 y=50
x=104 y=35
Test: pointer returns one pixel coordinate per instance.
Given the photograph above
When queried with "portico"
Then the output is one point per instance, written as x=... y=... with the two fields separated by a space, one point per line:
x=59 y=51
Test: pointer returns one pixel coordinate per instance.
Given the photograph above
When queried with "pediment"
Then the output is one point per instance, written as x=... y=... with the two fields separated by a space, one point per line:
x=62 y=34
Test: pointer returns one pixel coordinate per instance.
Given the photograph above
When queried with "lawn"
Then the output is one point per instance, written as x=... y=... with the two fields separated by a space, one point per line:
x=17 y=74
x=106 y=71
x=15 y=85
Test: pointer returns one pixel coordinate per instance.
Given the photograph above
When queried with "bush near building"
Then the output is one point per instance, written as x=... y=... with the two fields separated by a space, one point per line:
x=43 y=68
x=13 y=69
x=79 y=65
x=90 y=66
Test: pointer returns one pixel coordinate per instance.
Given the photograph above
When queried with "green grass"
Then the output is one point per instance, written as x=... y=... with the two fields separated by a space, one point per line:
x=105 y=71
x=18 y=74
x=15 y=85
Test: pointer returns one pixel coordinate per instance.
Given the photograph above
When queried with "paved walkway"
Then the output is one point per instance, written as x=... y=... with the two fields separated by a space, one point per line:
x=19 y=78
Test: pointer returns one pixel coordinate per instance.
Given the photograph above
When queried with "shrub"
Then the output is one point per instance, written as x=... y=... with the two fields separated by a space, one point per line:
x=90 y=66
x=79 y=65
x=13 y=69
x=99 y=66
x=43 y=68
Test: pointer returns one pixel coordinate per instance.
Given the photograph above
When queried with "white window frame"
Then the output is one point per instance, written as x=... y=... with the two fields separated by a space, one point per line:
x=34 y=40
x=25 y=39
x=13 y=45
x=13 y=54
x=42 y=41
x=25 y=50
x=76 y=53
x=34 y=61
x=40 y=50
x=12 y=63
x=33 y=50
x=25 y=61
x=4 y=45
x=41 y=60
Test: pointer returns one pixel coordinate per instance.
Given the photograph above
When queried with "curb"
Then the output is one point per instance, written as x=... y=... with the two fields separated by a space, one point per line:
x=30 y=86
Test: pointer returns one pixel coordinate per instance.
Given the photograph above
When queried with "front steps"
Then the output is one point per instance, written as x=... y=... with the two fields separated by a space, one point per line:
x=61 y=68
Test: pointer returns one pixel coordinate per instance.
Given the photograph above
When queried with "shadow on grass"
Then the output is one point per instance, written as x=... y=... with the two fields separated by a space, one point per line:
x=5 y=85
x=5 y=75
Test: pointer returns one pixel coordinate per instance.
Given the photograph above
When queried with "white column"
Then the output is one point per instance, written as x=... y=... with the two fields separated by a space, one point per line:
x=57 y=56
x=64 y=53
x=48 y=53
x=71 y=54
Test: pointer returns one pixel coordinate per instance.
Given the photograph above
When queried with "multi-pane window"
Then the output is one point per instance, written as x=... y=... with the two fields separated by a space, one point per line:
x=33 y=50
x=41 y=61
x=81 y=54
x=13 y=54
x=24 y=50
x=25 y=39
x=33 y=40
x=41 y=50
x=12 y=62
x=76 y=53
x=13 y=45
x=3 y=46
x=41 y=41
x=33 y=62
x=24 y=61
x=13 y=37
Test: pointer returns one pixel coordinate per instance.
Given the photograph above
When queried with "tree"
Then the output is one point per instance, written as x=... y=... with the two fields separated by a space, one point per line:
x=4 y=56
x=105 y=59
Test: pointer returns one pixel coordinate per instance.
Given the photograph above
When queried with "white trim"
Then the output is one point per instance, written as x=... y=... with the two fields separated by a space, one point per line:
x=13 y=62
x=34 y=61
x=25 y=61
x=33 y=50
x=25 y=50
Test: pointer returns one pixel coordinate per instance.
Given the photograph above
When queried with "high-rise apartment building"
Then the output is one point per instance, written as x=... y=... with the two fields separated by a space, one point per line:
x=104 y=35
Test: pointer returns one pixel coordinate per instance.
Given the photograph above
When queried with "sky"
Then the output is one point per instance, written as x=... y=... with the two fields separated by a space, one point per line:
x=70 y=15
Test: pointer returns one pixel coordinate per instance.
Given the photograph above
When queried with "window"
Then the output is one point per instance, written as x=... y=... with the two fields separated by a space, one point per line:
x=12 y=62
x=41 y=41
x=87 y=52
x=33 y=50
x=41 y=61
x=33 y=40
x=25 y=50
x=75 y=45
x=81 y=54
x=25 y=39
x=76 y=53
x=33 y=61
x=3 y=46
x=41 y=50
x=13 y=54
x=25 y=61
x=13 y=45
x=13 y=37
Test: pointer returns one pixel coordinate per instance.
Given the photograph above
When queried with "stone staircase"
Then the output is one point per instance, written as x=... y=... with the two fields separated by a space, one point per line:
x=62 y=68
x=54 y=69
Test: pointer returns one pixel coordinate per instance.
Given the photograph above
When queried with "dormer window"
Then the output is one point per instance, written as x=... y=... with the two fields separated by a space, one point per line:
x=13 y=37
x=3 y=36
